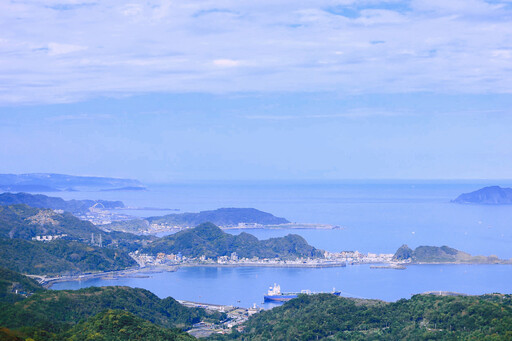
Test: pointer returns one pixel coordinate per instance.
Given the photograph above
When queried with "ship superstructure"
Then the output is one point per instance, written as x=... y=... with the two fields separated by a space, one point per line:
x=274 y=294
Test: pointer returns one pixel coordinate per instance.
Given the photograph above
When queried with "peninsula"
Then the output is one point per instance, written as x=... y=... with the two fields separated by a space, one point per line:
x=225 y=218
x=441 y=255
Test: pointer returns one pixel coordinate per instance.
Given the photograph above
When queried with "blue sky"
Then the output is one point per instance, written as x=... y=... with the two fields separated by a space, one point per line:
x=326 y=89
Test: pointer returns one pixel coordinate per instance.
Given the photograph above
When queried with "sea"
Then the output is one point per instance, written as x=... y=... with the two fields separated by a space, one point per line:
x=373 y=216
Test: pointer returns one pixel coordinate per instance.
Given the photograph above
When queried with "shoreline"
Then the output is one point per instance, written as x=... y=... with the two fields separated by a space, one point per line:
x=47 y=282
x=112 y=275
x=267 y=265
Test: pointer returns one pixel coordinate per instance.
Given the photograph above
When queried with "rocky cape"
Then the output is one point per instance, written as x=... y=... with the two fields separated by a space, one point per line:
x=442 y=255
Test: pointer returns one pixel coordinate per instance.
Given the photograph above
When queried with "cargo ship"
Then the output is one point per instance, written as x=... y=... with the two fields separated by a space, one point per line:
x=274 y=294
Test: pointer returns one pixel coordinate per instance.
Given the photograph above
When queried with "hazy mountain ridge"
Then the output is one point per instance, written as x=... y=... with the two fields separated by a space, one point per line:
x=492 y=195
x=35 y=182
x=56 y=203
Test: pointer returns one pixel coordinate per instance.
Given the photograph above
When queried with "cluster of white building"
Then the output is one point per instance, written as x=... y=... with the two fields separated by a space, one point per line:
x=49 y=238
x=356 y=257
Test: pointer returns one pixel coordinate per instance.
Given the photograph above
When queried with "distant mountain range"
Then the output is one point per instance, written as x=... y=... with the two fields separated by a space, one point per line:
x=492 y=195
x=55 y=203
x=49 y=182
x=443 y=254
x=225 y=217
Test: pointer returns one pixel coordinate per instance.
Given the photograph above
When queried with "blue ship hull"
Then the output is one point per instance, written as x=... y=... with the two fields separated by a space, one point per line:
x=287 y=297
x=279 y=298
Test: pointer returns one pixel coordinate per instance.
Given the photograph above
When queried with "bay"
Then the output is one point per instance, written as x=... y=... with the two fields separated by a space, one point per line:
x=244 y=286
x=375 y=216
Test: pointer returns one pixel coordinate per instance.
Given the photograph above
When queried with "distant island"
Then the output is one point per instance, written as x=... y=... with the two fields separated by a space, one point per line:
x=49 y=182
x=492 y=195
x=443 y=254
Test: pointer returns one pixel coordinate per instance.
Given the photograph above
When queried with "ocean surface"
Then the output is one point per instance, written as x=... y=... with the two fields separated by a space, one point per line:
x=375 y=217
x=245 y=286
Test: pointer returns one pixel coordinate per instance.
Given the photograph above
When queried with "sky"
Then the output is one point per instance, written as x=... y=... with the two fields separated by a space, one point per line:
x=166 y=91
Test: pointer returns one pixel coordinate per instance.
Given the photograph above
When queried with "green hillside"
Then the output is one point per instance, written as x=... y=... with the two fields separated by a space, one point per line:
x=119 y=325
x=423 y=317
x=25 y=222
x=48 y=313
x=60 y=257
x=14 y=286
x=210 y=241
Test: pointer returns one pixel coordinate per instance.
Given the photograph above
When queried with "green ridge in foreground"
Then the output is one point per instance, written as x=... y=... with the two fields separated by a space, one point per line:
x=423 y=317
x=119 y=325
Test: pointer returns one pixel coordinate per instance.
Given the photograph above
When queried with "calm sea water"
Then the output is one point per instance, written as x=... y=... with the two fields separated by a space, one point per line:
x=377 y=217
x=245 y=286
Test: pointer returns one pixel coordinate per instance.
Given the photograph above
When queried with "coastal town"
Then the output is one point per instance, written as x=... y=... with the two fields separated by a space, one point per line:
x=331 y=259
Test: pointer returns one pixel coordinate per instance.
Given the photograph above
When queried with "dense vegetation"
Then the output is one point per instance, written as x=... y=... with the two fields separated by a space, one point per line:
x=22 y=221
x=443 y=254
x=119 y=325
x=14 y=286
x=55 y=203
x=60 y=257
x=210 y=241
x=221 y=217
x=51 y=315
x=492 y=195
x=423 y=317
x=70 y=254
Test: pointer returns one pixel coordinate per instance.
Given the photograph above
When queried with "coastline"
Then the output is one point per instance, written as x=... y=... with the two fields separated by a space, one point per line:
x=47 y=282
x=266 y=265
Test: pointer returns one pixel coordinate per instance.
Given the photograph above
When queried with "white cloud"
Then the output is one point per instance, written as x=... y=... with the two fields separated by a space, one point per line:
x=55 y=49
x=366 y=46
x=226 y=62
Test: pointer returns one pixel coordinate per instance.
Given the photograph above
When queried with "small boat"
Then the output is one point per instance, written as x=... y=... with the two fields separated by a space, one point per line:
x=274 y=294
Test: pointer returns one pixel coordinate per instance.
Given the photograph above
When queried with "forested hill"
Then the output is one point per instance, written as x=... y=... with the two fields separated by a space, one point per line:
x=72 y=248
x=107 y=313
x=210 y=241
x=423 y=317
x=224 y=217
x=22 y=221
x=492 y=195
x=55 y=203
x=443 y=254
